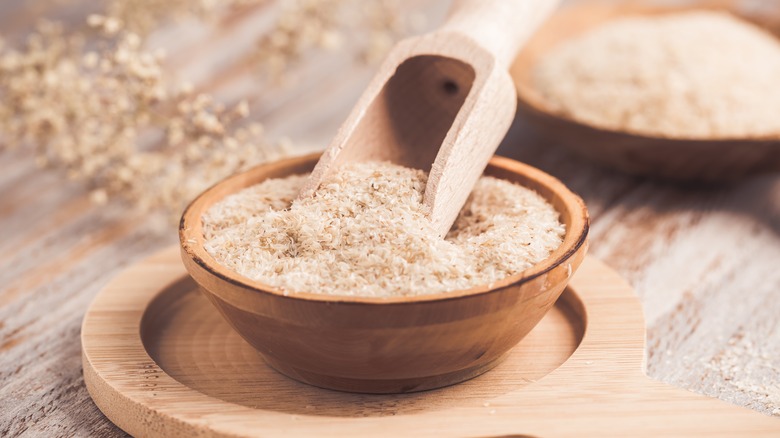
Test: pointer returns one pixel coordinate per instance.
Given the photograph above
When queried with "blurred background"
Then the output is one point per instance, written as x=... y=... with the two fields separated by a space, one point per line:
x=114 y=114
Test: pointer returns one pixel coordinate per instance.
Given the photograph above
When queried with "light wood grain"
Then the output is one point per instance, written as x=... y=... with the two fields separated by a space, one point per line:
x=703 y=261
x=441 y=102
x=586 y=361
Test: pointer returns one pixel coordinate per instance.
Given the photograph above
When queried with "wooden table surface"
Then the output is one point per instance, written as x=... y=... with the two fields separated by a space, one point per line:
x=704 y=261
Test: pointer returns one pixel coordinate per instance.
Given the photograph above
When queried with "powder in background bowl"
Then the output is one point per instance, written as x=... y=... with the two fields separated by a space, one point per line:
x=364 y=233
x=697 y=74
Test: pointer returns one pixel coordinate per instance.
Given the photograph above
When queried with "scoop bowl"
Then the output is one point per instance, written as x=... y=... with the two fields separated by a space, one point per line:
x=704 y=160
x=386 y=345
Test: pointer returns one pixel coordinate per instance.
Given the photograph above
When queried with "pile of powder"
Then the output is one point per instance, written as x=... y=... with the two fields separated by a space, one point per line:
x=686 y=75
x=365 y=233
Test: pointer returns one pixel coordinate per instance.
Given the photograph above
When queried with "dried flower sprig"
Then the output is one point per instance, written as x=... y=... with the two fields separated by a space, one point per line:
x=144 y=16
x=384 y=24
x=111 y=117
x=108 y=114
x=305 y=25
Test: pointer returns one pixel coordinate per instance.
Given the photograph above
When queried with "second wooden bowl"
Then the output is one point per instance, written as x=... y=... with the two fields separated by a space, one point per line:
x=694 y=160
x=393 y=345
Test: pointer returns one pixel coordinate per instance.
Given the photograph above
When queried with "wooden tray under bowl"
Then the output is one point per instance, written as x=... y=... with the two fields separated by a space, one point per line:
x=159 y=360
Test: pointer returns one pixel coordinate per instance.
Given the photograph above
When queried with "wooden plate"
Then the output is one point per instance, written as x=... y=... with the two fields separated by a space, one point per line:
x=160 y=361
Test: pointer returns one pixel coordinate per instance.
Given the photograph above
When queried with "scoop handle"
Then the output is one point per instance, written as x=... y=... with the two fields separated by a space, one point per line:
x=499 y=26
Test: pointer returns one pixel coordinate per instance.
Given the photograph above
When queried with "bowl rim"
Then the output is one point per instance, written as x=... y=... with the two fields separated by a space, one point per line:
x=191 y=239
x=530 y=98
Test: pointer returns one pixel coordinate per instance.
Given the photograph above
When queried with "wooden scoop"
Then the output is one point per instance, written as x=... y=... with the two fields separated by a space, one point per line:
x=441 y=102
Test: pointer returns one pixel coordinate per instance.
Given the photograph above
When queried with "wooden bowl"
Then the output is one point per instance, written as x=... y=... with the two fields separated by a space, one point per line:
x=699 y=160
x=386 y=345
